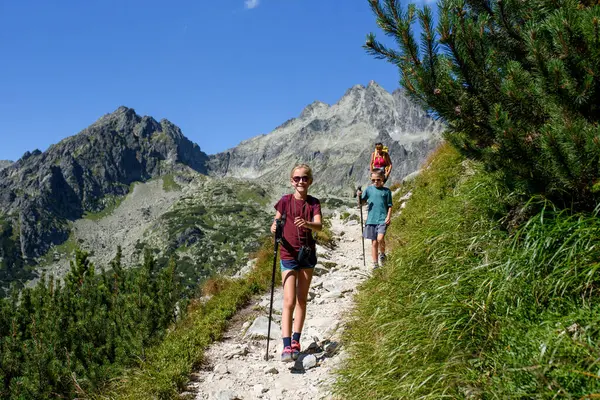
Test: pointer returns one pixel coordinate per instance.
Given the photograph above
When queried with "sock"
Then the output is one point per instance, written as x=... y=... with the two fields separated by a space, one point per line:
x=287 y=342
x=296 y=336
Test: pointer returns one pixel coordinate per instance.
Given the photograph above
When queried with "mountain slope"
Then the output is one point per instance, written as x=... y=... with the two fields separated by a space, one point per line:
x=42 y=192
x=207 y=225
x=337 y=141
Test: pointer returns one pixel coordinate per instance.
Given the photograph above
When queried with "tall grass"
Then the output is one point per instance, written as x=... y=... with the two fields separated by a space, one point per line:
x=463 y=310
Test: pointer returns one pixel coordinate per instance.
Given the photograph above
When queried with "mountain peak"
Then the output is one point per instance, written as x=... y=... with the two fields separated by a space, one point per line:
x=123 y=110
x=76 y=174
x=337 y=140
x=313 y=109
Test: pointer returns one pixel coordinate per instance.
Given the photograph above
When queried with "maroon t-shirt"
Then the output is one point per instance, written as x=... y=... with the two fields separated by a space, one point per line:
x=294 y=237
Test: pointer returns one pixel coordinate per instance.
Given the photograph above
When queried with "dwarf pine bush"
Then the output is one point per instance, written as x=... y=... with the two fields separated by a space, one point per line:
x=67 y=339
x=516 y=83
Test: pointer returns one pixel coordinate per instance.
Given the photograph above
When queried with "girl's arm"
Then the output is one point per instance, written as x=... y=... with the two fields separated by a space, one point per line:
x=372 y=161
x=315 y=225
x=274 y=224
x=388 y=168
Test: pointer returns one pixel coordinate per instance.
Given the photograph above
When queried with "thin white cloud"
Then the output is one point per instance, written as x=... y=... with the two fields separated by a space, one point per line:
x=250 y=4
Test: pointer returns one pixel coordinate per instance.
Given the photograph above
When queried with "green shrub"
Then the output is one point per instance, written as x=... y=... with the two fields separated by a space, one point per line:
x=169 y=184
x=68 y=339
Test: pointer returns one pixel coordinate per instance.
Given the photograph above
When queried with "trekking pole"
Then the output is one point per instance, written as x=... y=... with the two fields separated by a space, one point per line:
x=278 y=234
x=361 y=226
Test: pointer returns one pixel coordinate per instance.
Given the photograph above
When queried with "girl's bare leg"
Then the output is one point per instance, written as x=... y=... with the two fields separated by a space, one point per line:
x=304 y=278
x=288 y=279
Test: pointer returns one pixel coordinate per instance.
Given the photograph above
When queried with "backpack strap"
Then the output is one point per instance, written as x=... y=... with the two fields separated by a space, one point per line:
x=286 y=203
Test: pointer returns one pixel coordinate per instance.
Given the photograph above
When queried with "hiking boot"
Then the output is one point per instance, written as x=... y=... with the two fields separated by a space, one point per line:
x=286 y=354
x=295 y=350
x=382 y=258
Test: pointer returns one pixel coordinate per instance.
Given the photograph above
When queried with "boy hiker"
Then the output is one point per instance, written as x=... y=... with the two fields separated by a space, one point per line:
x=379 y=199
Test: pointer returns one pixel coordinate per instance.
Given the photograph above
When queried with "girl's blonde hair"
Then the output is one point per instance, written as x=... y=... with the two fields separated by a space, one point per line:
x=304 y=166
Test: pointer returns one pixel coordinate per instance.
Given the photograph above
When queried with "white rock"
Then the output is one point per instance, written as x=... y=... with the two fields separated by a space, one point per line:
x=316 y=283
x=259 y=389
x=221 y=369
x=270 y=370
x=240 y=350
x=306 y=362
x=259 y=328
x=227 y=394
x=406 y=196
x=338 y=286
x=331 y=295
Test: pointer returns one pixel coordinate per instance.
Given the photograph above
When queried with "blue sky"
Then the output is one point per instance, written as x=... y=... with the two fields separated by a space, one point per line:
x=222 y=70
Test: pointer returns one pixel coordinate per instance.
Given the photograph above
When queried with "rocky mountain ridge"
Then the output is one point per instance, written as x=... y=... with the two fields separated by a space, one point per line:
x=43 y=191
x=337 y=141
x=5 y=163
x=43 y=196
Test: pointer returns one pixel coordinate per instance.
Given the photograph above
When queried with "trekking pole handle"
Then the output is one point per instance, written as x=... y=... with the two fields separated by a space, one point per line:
x=279 y=229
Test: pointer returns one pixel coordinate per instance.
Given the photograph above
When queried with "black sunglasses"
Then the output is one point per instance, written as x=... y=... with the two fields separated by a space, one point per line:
x=300 y=178
x=375 y=180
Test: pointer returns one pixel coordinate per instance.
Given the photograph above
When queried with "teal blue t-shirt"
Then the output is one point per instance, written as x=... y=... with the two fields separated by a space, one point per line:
x=378 y=200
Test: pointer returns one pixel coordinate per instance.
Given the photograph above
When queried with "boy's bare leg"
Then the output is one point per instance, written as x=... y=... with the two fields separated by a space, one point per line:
x=374 y=246
x=381 y=241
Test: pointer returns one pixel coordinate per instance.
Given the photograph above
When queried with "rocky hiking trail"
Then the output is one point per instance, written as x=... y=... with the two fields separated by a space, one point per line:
x=235 y=367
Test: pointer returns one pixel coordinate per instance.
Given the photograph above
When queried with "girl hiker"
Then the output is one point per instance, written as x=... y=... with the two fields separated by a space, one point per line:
x=302 y=215
x=379 y=217
x=381 y=161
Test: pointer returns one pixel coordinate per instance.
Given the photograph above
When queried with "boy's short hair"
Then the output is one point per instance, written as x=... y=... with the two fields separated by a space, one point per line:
x=379 y=173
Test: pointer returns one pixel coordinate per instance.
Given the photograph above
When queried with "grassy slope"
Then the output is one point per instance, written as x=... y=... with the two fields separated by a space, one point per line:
x=462 y=310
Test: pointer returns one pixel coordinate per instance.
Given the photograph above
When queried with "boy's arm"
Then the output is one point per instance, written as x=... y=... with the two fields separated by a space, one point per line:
x=362 y=196
x=388 y=217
